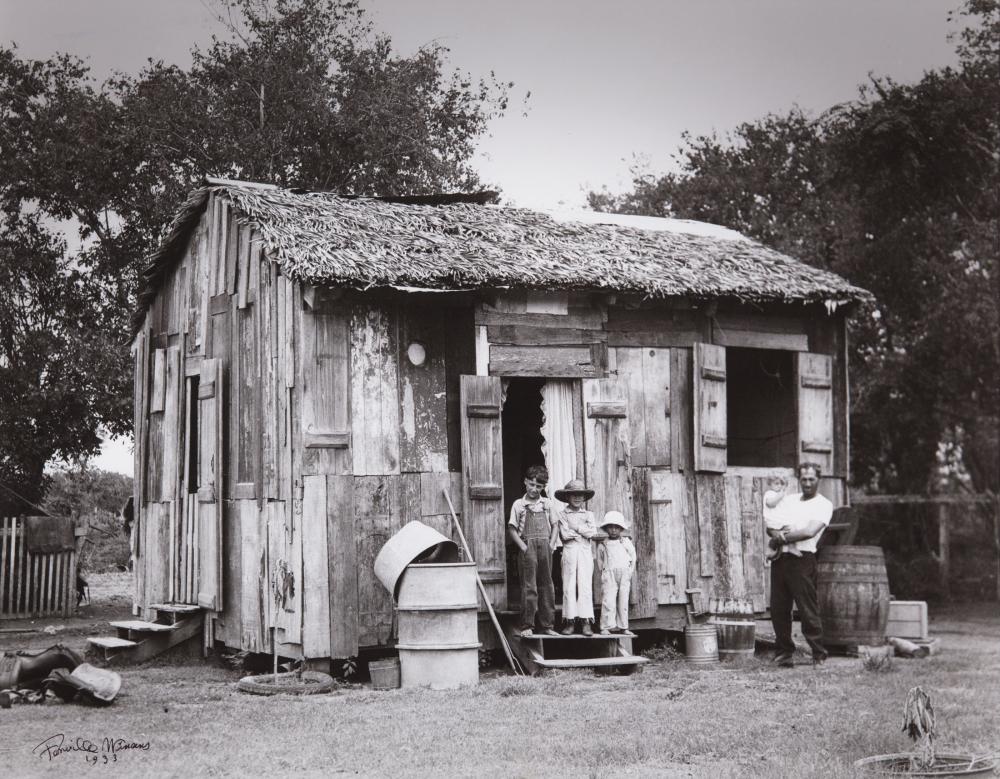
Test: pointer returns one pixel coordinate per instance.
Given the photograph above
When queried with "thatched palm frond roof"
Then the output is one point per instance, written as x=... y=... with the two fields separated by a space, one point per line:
x=326 y=239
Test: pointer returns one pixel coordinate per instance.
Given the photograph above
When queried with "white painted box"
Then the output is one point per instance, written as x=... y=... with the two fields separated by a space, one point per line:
x=907 y=619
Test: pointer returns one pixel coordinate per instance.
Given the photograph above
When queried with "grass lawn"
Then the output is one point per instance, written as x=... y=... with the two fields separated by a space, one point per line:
x=669 y=720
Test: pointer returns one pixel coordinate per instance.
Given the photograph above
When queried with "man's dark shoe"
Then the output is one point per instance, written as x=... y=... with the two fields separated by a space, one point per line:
x=819 y=659
x=784 y=660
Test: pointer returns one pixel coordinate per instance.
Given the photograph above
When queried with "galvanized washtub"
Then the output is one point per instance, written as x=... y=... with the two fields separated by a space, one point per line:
x=415 y=542
x=438 y=628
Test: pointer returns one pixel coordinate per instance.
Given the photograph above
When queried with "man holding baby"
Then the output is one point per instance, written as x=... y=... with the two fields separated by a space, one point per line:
x=794 y=526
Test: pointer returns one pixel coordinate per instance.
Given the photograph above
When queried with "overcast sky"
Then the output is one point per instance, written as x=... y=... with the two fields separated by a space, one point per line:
x=611 y=82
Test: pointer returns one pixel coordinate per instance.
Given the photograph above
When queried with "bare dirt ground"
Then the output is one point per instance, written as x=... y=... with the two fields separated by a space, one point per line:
x=110 y=598
x=671 y=720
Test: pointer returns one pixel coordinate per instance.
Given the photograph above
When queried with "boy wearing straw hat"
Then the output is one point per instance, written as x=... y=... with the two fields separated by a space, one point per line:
x=616 y=559
x=576 y=527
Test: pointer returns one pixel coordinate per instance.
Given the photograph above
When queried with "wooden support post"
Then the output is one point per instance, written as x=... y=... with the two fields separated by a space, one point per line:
x=943 y=550
x=996 y=540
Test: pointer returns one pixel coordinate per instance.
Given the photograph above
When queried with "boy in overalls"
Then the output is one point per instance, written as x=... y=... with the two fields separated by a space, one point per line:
x=530 y=529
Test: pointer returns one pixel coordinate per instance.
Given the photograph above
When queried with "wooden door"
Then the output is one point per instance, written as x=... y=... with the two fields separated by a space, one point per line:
x=669 y=510
x=482 y=496
x=211 y=412
x=709 y=408
x=609 y=472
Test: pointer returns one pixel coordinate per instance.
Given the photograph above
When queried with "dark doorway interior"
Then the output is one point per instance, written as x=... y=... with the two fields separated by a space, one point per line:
x=522 y=447
x=760 y=405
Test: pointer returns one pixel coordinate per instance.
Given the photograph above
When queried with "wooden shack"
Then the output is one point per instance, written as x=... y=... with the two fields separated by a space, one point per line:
x=314 y=371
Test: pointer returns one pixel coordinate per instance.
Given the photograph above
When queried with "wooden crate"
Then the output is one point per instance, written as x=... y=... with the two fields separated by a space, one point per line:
x=907 y=619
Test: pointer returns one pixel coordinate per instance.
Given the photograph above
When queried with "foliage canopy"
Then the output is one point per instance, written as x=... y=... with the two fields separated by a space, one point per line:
x=898 y=192
x=301 y=93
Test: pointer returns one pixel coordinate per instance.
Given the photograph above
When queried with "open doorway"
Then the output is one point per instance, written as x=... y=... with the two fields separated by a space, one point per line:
x=522 y=447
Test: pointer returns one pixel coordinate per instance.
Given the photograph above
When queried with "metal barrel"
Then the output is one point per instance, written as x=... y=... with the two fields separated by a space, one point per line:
x=437 y=613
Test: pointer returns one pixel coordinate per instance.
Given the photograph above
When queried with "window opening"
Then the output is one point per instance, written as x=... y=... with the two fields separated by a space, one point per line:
x=760 y=405
x=191 y=477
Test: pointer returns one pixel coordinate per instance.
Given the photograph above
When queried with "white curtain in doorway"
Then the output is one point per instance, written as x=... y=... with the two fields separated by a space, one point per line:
x=557 y=431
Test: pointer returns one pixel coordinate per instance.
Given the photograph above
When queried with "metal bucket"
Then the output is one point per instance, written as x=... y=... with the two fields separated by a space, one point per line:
x=701 y=645
x=414 y=541
x=384 y=674
x=438 y=627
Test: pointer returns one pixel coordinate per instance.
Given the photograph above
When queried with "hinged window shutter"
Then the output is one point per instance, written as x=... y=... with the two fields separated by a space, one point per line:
x=814 y=381
x=709 y=408
x=482 y=496
x=326 y=380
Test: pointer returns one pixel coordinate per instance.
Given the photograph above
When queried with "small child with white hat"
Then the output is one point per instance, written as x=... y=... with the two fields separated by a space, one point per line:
x=616 y=559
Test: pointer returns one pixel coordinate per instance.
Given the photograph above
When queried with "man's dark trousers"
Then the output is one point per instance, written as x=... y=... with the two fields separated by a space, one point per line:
x=793 y=580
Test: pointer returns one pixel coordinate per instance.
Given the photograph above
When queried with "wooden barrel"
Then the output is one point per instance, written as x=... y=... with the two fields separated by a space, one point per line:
x=437 y=614
x=735 y=626
x=701 y=644
x=853 y=590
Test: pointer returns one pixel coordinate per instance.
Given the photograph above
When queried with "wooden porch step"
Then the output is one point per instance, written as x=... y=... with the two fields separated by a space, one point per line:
x=176 y=608
x=141 y=626
x=110 y=647
x=138 y=640
x=592 y=662
x=578 y=636
x=111 y=642
x=170 y=613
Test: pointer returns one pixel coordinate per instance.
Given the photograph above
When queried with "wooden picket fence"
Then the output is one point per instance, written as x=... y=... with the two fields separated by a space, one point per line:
x=33 y=585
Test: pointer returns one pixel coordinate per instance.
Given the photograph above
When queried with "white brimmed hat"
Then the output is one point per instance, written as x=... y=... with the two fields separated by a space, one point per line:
x=615 y=518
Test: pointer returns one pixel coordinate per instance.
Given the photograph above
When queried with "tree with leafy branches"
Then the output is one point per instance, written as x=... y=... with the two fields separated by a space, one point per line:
x=898 y=192
x=300 y=93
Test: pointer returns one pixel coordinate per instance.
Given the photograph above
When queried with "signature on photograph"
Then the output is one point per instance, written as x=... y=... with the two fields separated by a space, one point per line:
x=100 y=752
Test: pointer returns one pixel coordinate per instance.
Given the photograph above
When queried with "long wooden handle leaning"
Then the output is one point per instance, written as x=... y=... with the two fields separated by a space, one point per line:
x=515 y=666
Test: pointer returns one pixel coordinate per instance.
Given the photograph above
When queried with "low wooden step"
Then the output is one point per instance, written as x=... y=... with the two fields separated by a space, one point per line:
x=132 y=626
x=169 y=613
x=592 y=662
x=110 y=647
x=111 y=642
x=176 y=608
x=150 y=638
x=578 y=636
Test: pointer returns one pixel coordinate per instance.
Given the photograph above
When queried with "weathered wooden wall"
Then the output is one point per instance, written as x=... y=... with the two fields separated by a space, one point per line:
x=316 y=440
x=655 y=440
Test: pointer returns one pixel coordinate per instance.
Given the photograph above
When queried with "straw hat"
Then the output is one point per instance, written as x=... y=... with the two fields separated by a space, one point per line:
x=615 y=518
x=573 y=487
